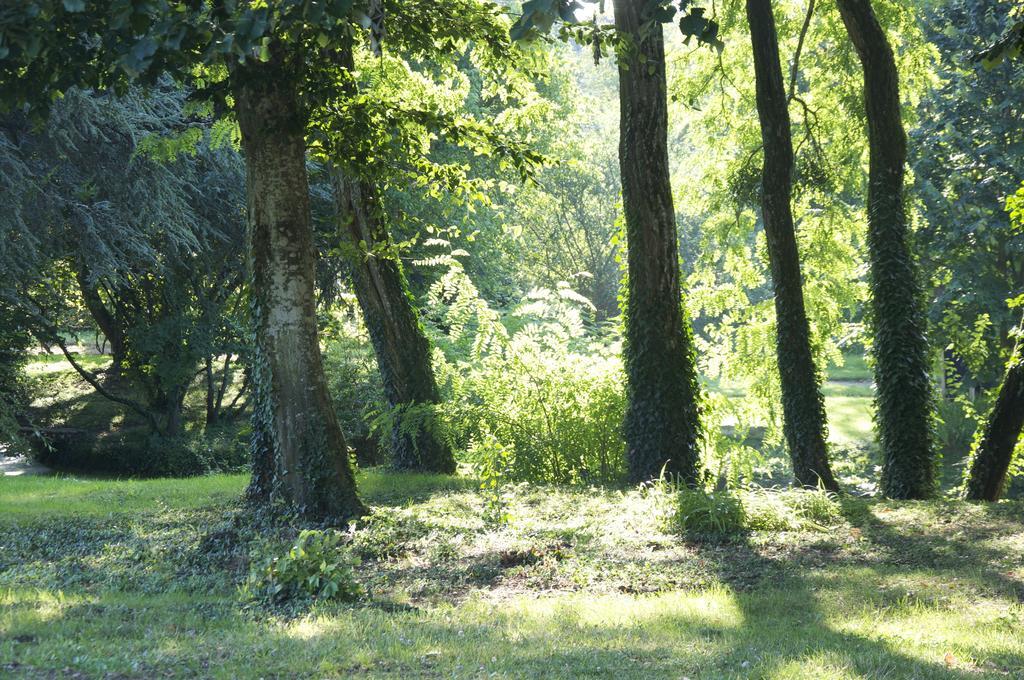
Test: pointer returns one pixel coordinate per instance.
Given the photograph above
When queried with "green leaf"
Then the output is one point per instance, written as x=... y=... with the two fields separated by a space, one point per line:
x=74 y=5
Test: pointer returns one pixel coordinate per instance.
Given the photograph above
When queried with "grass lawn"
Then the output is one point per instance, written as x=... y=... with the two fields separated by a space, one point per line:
x=139 y=579
x=854 y=369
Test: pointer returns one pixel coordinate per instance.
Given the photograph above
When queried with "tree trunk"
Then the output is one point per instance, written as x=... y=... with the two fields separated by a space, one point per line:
x=299 y=453
x=803 y=406
x=399 y=343
x=663 y=414
x=106 y=322
x=1002 y=430
x=212 y=407
x=900 y=345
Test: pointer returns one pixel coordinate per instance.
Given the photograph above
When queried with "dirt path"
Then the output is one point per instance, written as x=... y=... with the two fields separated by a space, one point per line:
x=21 y=465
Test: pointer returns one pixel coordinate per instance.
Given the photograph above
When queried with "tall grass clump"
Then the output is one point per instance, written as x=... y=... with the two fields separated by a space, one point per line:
x=730 y=512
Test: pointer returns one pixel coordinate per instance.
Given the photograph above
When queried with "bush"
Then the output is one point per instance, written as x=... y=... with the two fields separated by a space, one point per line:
x=317 y=566
x=789 y=509
x=767 y=511
x=814 y=506
x=548 y=394
x=137 y=452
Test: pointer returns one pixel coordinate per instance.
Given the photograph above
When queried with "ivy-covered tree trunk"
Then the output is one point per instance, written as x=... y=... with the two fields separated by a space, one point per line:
x=900 y=346
x=399 y=343
x=299 y=453
x=803 y=406
x=663 y=414
x=992 y=460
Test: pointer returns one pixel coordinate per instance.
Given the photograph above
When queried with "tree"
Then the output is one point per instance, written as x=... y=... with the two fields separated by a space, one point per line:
x=399 y=342
x=802 y=401
x=663 y=412
x=147 y=237
x=279 y=63
x=662 y=422
x=994 y=452
x=991 y=461
x=1011 y=43
x=967 y=150
x=300 y=453
x=904 y=391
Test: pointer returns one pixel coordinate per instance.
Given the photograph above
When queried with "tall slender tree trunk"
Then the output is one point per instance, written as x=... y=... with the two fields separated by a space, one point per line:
x=106 y=322
x=803 y=406
x=900 y=345
x=663 y=414
x=212 y=407
x=299 y=453
x=399 y=343
x=992 y=460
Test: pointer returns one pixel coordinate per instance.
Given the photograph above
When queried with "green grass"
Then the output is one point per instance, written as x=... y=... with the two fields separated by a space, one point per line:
x=854 y=368
x=34 y=498
x=850 y=419
x=138 y=579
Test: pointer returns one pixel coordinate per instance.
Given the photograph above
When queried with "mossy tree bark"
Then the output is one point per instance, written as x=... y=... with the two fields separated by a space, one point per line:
x=300 y=456
x=803 y=406
x=900 y=345
x=992 y=460
x=663 y=414
x=399 y=342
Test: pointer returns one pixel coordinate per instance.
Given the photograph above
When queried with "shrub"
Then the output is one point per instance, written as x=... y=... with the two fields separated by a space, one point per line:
x=491 y=463
x=317 y=566
x=135 y=452
x=703 y=513
x=549 y=394
x=814 y=506
x=767 y=511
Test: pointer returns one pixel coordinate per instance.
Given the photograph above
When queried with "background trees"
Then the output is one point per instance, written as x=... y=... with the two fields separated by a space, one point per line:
x=484 y=181
x=149 y=245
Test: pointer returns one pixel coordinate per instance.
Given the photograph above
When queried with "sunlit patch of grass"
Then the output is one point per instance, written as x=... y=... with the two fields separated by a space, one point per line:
x=850 y=419
x=717 y=633
x=35 y=497
x=57 y=363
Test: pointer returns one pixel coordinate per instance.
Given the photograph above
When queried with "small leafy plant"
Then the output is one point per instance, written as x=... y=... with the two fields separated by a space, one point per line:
x=317 y=566
x=491 y=463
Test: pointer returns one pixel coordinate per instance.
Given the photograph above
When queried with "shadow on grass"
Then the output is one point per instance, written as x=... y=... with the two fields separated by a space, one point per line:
x=804 y=639
x=963 y=553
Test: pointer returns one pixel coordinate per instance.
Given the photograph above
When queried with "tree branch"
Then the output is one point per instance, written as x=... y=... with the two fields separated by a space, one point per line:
x=795 y=67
